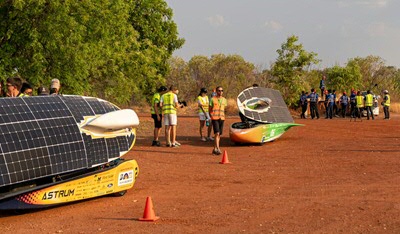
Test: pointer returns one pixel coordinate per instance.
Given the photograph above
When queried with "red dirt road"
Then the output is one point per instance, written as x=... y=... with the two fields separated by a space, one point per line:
x=330 y=176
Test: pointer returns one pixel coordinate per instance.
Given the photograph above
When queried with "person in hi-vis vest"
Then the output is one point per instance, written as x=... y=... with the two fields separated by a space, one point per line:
x=156 y=114
x=386 y=104
x=217 y=113
x=368 y=102
x=169 y=103
x=204 y=115
x=359 y=104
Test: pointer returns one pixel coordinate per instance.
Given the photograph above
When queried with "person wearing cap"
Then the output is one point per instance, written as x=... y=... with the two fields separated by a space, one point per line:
x=55 y=87
x=14 y=85
x=204 y=115
x=369 y=101
x=156 y=114
x=169 y=104
x=42 y=91
x=217 y=112
x=386 y=104
x=344 y=101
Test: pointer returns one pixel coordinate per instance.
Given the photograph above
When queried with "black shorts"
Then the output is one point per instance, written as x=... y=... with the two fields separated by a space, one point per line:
x=157 y=124
x=218 y=126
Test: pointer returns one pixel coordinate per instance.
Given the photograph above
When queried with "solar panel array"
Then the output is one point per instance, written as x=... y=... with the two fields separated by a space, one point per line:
x=278 y=111
x=40 y=136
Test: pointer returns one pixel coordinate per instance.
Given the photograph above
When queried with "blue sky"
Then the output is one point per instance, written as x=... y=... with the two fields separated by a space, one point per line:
x=336 y=30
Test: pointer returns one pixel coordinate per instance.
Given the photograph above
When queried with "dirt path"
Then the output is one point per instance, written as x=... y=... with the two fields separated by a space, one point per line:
x=330 y=176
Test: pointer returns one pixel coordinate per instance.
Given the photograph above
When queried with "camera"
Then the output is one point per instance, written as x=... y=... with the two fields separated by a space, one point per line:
x=183 y=103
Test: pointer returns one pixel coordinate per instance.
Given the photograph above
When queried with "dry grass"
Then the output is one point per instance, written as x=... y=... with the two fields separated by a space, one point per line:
x=395 y=108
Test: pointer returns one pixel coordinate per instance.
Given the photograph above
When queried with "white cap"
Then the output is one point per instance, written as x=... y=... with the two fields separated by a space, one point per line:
x=55 y=84
x=385 y=91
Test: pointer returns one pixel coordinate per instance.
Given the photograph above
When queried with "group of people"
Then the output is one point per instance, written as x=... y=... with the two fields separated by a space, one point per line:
x=356 y=103
x=16 y=87
x=211 y=111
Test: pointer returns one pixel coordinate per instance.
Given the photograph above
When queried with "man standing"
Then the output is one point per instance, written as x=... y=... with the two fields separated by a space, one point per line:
x=369 y=100
x=313 y=104
x=156 y=114
x=303 y=104
x=322 y=85
x=344 y=101
x=331 y=100
x=386 y=104
x=359 y=104
x=353 y=103
x=217 y=112
x=169 y=103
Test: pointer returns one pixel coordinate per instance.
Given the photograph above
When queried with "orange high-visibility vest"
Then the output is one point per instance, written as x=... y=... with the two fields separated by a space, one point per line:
x=218 y=108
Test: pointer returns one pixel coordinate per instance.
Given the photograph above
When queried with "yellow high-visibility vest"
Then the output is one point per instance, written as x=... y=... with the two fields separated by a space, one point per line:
x=369 y=100
x=204 y=103
x=359 y=100
x=387 y=102
x=168 y=103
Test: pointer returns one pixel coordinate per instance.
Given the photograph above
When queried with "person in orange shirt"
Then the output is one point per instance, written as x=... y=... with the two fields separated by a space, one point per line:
x=217 y=113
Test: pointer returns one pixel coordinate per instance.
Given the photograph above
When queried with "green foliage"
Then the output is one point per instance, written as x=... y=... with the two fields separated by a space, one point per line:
x=289 y=68
x=229 y=71
x=116 y=50
x=344 y=78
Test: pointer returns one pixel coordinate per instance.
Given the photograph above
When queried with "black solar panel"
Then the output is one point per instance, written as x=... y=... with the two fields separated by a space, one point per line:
x=263 y=105
x=41 y=136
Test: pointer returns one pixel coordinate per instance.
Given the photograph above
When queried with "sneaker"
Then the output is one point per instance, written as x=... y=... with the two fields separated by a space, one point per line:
x=203 y=139
x=154 y=143
x=174 y=145
x=216 y=152
x=168 y=145
x=177 y=143
x=210 y=138
x=158 y=143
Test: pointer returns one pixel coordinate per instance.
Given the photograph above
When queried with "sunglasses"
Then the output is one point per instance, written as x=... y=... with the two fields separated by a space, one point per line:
x=220 y=90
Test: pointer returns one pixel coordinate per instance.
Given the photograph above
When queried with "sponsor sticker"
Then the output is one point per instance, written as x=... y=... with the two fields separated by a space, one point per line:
x=126 y=177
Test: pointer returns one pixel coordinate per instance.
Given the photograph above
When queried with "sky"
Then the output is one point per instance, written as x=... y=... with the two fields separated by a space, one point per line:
x=337 y=30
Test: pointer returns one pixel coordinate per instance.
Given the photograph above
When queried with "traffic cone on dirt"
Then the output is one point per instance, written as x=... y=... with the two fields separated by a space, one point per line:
x=149 y=214
x=225 y=159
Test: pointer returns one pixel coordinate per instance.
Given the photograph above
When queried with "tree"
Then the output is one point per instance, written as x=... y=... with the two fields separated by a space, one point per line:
x=289 y=68
x=344 y=78
x=179 y=75
x=111 y=49
x=231 y=72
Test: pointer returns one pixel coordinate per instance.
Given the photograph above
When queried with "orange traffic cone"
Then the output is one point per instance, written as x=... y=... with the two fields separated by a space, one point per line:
x=225 y=159
x=149 y=214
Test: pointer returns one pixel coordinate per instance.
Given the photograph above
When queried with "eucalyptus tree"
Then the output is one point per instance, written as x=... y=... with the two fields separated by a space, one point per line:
x=289 y=68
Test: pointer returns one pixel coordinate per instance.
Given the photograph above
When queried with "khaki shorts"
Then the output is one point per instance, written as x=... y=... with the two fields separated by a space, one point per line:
x=170 y=119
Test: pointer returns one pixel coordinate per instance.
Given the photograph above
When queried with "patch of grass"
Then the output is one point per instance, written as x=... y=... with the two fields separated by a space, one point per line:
x=395 y=107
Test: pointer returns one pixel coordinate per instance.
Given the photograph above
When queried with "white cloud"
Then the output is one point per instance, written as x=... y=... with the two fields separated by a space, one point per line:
x=273 y=25
x=366 y=3
x=217 y=20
